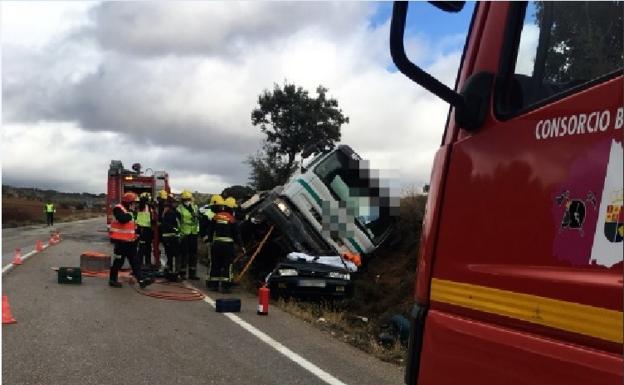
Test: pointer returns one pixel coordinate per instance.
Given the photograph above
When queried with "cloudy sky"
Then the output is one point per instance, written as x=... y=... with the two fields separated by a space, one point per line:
x=171 y=85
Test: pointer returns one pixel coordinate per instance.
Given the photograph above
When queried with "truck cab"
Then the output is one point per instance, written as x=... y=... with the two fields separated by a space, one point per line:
x=331 y=207
x=519 y=277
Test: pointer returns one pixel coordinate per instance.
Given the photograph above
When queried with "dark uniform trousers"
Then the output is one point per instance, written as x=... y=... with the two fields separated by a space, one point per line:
x=126 y=250
x=145 y=245
x=221 y=257
x=172 y=250
x=188 y=253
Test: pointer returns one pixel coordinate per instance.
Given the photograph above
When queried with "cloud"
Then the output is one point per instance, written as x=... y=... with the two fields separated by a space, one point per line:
x=64 y=157
x=527 y=49
x=205 y=28
x=127 y=84
x=51 y=19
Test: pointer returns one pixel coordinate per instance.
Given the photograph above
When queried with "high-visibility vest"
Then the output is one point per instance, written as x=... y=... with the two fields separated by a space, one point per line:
x=209 y=214
x=50 y=208
x=144 y=218
x=125 y=232
x=189 y=224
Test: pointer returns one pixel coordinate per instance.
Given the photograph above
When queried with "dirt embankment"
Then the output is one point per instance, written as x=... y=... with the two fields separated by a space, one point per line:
x=21 y=211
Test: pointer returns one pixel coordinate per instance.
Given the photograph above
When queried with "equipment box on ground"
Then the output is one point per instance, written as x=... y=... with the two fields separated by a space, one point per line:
x=228 y=305
x=94 y=261
x=69 y=275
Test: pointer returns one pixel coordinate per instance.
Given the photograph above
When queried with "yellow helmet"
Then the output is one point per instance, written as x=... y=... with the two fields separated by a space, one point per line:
x=216 y=200
x=186 y=195
x=162 y=194
x=230 y=202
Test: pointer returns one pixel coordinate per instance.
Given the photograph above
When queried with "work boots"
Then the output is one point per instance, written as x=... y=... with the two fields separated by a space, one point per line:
x=171 y=276
x=224 y=287
x=145 y=282
x=193 y=275
x=114 y=284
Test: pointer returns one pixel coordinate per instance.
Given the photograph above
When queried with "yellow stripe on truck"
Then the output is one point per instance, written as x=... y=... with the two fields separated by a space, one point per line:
x=574 y=317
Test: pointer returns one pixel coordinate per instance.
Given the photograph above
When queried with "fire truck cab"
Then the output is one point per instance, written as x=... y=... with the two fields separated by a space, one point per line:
x=519 y=277
x=121 y=181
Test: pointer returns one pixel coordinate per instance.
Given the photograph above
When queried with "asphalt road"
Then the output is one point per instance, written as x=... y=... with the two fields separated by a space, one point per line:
x=93 y=334
x=26 y=237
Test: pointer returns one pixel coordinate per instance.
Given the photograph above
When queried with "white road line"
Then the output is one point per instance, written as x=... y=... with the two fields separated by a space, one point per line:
x=11 y=266
x=307 y=365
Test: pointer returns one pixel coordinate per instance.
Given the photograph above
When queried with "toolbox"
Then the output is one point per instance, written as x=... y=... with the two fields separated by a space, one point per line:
x=94 y=261
x=69 y=275
x=228 y=305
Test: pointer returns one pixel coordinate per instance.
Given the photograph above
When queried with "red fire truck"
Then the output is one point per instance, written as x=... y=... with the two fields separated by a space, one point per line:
x=520 y=269
x=121 y=181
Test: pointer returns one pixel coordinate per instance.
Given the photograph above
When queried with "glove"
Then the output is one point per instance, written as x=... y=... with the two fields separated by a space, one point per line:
x=205 y=239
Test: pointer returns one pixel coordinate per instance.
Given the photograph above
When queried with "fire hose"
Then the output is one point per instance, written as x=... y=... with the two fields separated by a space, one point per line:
x=172 y=290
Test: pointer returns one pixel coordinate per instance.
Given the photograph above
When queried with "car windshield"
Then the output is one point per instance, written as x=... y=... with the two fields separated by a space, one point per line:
x=341 y=173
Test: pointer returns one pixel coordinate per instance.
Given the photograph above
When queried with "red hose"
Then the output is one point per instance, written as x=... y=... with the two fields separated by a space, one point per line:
x=179 y=292
x=172 y=290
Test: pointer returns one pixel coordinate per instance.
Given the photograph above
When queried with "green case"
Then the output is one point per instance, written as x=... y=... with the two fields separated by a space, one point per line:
x=69 y=275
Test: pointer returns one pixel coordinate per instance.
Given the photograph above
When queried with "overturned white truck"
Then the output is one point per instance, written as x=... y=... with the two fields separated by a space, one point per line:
x=334 y=207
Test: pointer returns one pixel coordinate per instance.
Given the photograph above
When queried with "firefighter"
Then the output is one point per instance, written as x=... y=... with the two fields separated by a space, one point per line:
x=161 y=200
x=215 y=206
x=49 y=211
x=123 y=234
x=170 y=230
x=189 y=228
x=144 y=218
x=205 y=220
x=224 y=234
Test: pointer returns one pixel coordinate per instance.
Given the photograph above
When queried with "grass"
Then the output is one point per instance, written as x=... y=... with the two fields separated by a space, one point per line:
x=333 y=318
x=23 y=212
x=13 y=222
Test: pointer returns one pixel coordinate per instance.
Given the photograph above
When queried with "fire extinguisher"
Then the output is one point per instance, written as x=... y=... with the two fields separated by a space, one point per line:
x=263 y=300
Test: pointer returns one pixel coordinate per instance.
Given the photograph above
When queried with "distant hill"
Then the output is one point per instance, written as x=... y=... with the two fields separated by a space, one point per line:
x=70 y=199
x=23 y=206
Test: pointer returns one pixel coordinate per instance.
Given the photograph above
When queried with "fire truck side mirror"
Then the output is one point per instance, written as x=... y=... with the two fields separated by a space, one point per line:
x=472 y=103
x=477 y=94
x=449 y=6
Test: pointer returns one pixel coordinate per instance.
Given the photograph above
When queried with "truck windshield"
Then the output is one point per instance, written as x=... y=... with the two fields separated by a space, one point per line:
x=341 y=173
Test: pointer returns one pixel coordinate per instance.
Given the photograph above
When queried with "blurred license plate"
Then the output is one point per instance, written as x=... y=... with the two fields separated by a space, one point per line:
x=311 y=283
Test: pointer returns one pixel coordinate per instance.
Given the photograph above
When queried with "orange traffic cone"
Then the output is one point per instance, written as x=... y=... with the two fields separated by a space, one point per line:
x=7 y=318
x=17 y=257
x=39 y=246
